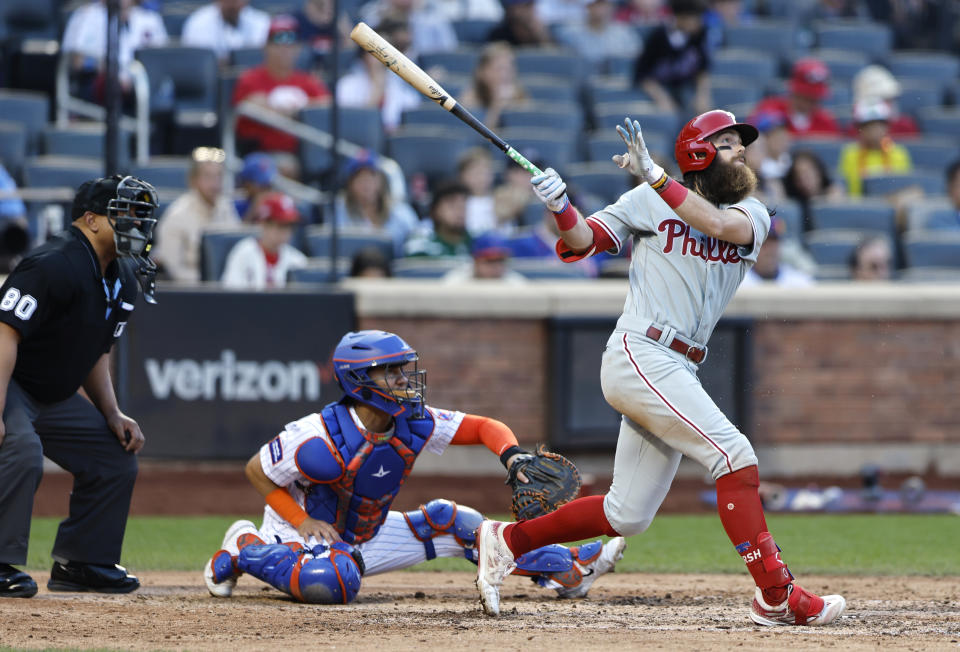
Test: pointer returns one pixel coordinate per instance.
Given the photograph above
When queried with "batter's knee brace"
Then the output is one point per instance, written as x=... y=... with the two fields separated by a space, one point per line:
x=323 y=575
x=440 y=517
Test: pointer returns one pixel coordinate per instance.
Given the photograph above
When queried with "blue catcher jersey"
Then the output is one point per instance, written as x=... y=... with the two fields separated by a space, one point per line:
x=342 y=474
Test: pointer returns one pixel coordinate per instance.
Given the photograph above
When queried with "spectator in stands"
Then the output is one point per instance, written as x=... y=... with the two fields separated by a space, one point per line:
x=540 y=241
x=495 y=86
x=255 y=180
x=177 y=248
x=674 y=66
x=769 y=156
x=262 y=262
x=370 y=84
x=521 y=26
x=448 y=215
x=430 y=30
x=770 y=267
x=475 y=171
x=315 y=27
x=561 y=12
x=454 y=10
x=599 y=37
x=801 y=107
x=643 y=12
x=85 y=43
x=722 y=15
x=874 y=152
x=872 y=259
x=951 y=221
x=490 y=261
x=876 y=83
x=808 y=179
x=370 y=262
x=280 y=87
x=514 y=193
x=226 y=25
x=365 y=203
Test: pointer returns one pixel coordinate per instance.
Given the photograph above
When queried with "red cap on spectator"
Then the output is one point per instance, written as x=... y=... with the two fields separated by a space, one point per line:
x=810 y=78
x=277 y=207
x=283 y=29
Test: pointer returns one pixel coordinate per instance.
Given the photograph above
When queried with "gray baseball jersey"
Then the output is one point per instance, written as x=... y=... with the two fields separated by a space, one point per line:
x=678 y=276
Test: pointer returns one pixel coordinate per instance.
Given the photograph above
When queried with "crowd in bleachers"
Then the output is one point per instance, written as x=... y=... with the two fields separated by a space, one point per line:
x=856 y=102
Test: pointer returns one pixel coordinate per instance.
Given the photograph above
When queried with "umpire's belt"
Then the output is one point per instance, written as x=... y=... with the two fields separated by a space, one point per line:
x=677 y=342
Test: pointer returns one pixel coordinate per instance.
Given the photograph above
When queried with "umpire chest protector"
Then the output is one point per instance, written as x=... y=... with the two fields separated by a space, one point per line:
x=357 y=474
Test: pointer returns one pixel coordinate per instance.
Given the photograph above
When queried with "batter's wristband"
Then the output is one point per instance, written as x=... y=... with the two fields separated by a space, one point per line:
x=283 y=504
x=673 y=193
x=567 y=218
x=510 y=452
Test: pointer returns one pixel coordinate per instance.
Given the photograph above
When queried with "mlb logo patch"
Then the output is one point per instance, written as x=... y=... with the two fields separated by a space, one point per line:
x=276 y=450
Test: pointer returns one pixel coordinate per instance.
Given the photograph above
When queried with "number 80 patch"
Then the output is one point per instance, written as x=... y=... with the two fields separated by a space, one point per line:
x=22 y=306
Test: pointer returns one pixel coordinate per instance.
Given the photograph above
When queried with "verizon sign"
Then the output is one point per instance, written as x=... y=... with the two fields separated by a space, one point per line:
x=214 y=375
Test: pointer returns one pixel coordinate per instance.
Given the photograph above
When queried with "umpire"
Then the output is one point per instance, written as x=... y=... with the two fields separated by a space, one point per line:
x=61 y=310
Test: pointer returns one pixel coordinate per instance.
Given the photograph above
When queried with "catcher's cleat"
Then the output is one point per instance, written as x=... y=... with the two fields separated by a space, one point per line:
x=800 y=608
x=220 y=573
x=602 y=563
x=495 y=561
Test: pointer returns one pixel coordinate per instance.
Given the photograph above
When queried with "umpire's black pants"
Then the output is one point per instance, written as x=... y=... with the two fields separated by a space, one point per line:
x=75 y=435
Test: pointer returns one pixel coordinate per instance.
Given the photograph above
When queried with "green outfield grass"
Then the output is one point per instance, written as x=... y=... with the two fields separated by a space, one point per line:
x=857 y=544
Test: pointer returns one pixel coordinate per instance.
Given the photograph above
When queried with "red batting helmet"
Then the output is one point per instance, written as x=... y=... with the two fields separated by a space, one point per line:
x=694 y=152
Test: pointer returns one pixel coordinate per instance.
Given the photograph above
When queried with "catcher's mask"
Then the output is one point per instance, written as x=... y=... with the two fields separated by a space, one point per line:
x=360 y=352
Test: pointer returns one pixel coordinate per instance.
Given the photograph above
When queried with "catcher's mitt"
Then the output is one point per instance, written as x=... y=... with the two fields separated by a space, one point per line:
x=553 y=481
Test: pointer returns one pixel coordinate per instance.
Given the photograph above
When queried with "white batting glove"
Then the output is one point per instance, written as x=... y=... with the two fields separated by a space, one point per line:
x=637 y=158
x=551 y=190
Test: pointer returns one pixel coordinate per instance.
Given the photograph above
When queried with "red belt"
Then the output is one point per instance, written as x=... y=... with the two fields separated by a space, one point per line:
x=694 y=353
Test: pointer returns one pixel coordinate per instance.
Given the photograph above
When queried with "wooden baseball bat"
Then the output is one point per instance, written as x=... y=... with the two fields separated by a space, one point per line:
x=414 y=75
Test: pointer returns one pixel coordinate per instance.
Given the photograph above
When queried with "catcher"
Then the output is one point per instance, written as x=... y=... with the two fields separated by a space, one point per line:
x=329 y=480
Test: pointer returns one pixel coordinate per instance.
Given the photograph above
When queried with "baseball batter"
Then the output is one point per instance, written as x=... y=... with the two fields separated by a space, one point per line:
x=329 y=479
x=692 y=245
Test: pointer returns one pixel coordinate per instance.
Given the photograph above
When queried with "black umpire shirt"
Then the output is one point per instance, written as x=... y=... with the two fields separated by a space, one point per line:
x=67 y=313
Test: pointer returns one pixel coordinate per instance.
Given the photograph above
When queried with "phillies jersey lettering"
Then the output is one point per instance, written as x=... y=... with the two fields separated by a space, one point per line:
x=678 y=276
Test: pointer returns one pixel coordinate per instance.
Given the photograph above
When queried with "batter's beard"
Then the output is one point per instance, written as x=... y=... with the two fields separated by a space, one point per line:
x=724 y=183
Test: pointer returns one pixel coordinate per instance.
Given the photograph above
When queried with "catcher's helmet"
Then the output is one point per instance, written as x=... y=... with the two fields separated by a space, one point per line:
x=694 y=152
x=359 y=352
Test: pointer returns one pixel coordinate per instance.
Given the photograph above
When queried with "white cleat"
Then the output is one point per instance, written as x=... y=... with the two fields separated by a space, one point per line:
x=800 y=608
x=495 y=561
x=611 y=553
x=222 y=559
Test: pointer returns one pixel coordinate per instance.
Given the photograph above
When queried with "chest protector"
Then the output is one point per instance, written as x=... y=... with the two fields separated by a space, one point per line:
x=357 y=502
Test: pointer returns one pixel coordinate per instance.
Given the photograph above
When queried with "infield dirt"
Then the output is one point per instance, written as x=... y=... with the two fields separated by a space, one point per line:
x=417 y=611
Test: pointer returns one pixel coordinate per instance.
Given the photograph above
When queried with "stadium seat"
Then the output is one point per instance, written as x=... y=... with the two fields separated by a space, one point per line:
x=930 y=275
x=843 y=64
x=864 y=37
x=602 y=179
x=540 y=269
x=932 y=249
x=828 y=149
x=165 y=171
x=937 y=121
x=83 y=140
x=60 y=171
x=565 y=118
x=422 y=267
x=603 y=145
x=866 y=215
x=543 y=89
x=931 y=152
x=917 y=95
x=428 y=114
x=173 y=20
x=473 y=31
x=932 y=213
x=790 y=212
x=730 y=91
x=215 y=246
x=349 y=241
x=770 y=36
x=30 y=109
x=931 y=181
x=743 y=63
x=608 y=115
x=458 y=62
x=553 y=63
x=13 y=147
x=27 y=19
x=604 y=90
x=833 y=246
x=938 y=67
x=276 y=6
x=429 y=150
x=361 y=126
x=189 y=73
x=554 y=151
x=246 y=57
x=620 y=68
x=318 y=271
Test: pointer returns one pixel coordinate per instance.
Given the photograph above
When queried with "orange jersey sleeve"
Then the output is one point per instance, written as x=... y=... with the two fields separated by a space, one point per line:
x=493 y=434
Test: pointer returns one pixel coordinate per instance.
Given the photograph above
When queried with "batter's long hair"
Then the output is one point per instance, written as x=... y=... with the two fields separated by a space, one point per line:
x=722 y=183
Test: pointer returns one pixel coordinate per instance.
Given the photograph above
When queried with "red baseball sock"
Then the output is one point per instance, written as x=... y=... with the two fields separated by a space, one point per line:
x=741 y=513
x=580 y=519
